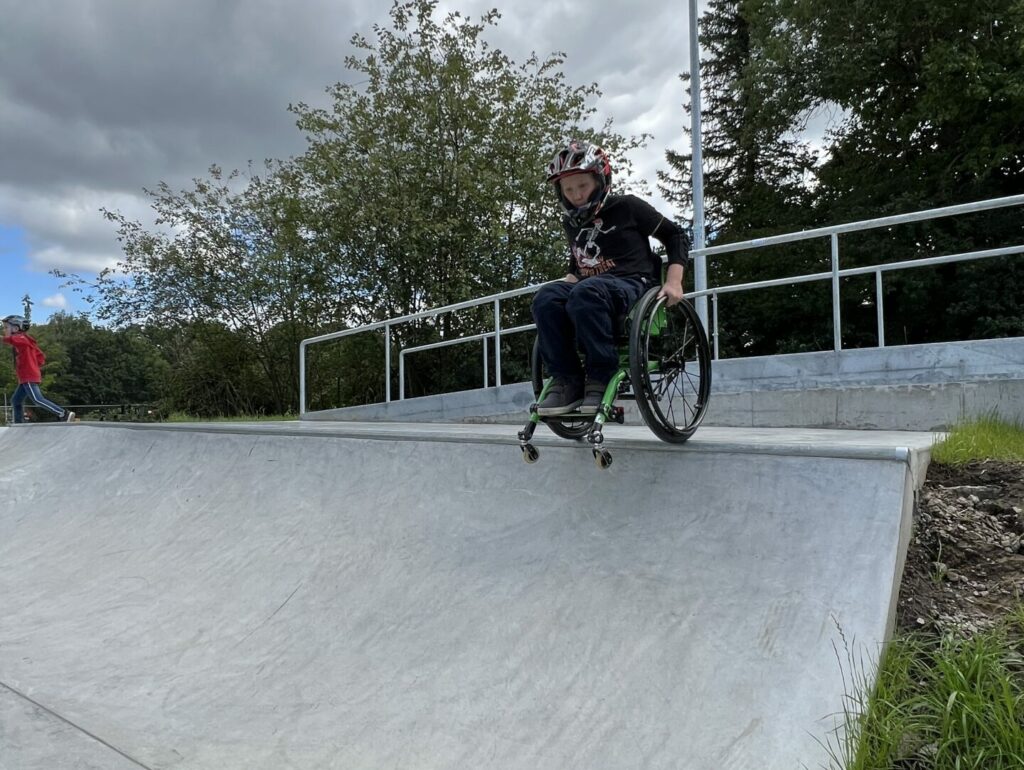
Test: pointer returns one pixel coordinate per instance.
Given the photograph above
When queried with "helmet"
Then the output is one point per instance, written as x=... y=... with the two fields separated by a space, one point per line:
x=580 y=157
x=16 y=321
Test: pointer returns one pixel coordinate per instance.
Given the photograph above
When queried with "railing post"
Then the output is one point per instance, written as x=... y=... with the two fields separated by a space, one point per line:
x=879 y=308
x=302 y=379
x=401 y=376
x=714 y=311
x=837 y=333
x=497 y=345
x=484 y=340
x=387 y=363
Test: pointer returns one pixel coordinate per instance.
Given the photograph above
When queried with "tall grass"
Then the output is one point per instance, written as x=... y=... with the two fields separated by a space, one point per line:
x=986 y=437
x=954 y=702
x=949 y=703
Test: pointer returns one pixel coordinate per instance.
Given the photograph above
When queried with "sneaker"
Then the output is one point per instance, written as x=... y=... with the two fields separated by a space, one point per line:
x=69 y=416
x=562 y=397
x=593 y=395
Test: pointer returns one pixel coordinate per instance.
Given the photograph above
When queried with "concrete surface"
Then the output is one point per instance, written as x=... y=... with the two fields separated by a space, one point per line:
x=907 y=387
x=296 y=595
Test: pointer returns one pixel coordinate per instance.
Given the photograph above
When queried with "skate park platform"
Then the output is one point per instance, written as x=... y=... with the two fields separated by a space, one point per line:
x=360 y=595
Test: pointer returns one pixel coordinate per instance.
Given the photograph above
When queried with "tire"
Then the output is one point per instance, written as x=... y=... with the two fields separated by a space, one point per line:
x=566 y=427
x=670 y=366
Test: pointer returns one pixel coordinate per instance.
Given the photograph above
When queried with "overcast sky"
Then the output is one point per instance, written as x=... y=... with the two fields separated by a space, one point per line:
x=102 y=98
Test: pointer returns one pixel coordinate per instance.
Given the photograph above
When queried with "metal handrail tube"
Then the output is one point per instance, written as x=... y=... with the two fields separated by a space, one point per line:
x=425 y=314
x=835 y=274
x=456 y=341
x=386 y=325
x=865 y=224
x=966 y=256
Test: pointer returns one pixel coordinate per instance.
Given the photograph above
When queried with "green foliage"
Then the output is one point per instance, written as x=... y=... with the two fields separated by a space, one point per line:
x=421 y=186
x=754 y=179
x=948 y=704
x=987 y=437
x=428 y=173
x=931 y=92
x=88 y=364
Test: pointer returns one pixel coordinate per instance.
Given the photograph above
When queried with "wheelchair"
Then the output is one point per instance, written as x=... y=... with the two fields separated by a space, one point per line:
x=664 y=365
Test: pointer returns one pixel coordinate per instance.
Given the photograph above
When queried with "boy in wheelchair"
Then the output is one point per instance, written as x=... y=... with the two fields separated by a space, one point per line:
x=611 y=265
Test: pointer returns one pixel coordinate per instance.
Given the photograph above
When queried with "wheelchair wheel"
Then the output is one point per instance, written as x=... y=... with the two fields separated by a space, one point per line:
x=568 y=426
x=670 y=366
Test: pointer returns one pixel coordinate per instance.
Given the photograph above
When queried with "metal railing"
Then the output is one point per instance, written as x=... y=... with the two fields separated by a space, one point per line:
x=497 y=333
x=832 y=233
x=834 y=275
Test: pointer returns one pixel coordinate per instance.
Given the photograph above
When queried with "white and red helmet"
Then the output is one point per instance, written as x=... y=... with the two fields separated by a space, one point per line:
x=580 y=157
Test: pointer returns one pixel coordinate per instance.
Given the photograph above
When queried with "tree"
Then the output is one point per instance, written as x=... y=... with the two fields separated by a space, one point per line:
x=429 y=171
x=87 y=364
x=755 y=172
x=421 y=186
x=227 y=259
x=427 y=176
x=933 y=91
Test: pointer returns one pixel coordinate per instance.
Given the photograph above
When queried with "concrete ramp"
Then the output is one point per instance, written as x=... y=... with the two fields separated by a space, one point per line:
x=314 y=596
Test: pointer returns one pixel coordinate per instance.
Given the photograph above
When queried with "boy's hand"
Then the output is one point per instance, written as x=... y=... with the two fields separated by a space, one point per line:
x=570 y=278
x=672 y=294
x=672 y=289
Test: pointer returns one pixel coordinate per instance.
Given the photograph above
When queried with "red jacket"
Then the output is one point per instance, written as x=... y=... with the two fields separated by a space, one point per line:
x=27 y=357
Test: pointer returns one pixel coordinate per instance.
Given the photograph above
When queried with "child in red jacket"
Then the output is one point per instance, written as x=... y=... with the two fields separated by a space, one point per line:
x=27 y=360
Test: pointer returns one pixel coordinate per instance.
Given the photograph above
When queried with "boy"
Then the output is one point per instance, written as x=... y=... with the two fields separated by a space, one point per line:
x=611 y=264
x=27 y=360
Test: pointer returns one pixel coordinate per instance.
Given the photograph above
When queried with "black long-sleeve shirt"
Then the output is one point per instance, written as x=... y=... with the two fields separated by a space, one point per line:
x=616 y=240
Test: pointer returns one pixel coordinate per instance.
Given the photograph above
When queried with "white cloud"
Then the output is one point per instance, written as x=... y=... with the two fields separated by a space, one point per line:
x=57 y=302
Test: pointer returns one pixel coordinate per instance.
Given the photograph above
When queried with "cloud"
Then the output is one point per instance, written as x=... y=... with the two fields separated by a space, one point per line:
x=101 y=100
x=57 y=302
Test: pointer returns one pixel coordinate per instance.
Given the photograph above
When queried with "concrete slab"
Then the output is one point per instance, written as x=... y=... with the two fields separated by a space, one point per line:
x=299 y=595
x=34 y=737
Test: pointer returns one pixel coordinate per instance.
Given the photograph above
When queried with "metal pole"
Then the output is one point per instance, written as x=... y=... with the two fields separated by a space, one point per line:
x=837 y=334
x=497 y=344
x=302 y=379
x=880 y=308
x=387 y=363
x=484 y=340
x=700 y=275
x=714 y=306
x=401 y=376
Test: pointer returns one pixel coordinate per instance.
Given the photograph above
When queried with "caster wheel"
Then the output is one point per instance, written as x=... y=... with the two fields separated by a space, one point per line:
x=530 y=453
x=603 y=458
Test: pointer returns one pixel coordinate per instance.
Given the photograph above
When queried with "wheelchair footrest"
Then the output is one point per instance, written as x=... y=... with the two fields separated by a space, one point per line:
x=618 y=415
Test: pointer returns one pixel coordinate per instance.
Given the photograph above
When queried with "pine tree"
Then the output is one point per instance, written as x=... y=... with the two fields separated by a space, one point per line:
x=754 y=173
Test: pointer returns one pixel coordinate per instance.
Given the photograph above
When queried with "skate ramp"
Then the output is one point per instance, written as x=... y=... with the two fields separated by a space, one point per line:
x=296 y=597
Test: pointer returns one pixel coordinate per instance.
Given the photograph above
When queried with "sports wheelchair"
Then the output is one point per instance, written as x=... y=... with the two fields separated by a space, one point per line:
x=664 y=365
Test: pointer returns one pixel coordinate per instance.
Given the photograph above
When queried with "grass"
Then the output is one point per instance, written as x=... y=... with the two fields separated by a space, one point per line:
x=954 y=702
x=983 y=438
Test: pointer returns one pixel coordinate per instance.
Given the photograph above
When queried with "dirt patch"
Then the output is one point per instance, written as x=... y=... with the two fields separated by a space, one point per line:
x=965 y=563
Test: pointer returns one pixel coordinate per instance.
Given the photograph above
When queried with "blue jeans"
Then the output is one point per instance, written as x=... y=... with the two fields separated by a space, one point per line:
x=583 y=316
x=30 y=391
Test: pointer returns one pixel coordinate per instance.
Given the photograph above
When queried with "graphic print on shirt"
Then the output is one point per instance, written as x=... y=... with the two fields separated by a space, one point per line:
x=587 y=252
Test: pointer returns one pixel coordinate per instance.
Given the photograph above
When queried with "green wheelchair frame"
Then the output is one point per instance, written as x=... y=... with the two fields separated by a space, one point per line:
x=664 y=365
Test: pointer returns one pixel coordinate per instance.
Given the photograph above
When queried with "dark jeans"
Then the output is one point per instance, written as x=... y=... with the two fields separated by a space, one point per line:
x=29 y=391
x=583 y=316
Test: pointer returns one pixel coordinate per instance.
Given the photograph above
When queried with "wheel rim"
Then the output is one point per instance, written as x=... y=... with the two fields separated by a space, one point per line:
x=677 y=376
